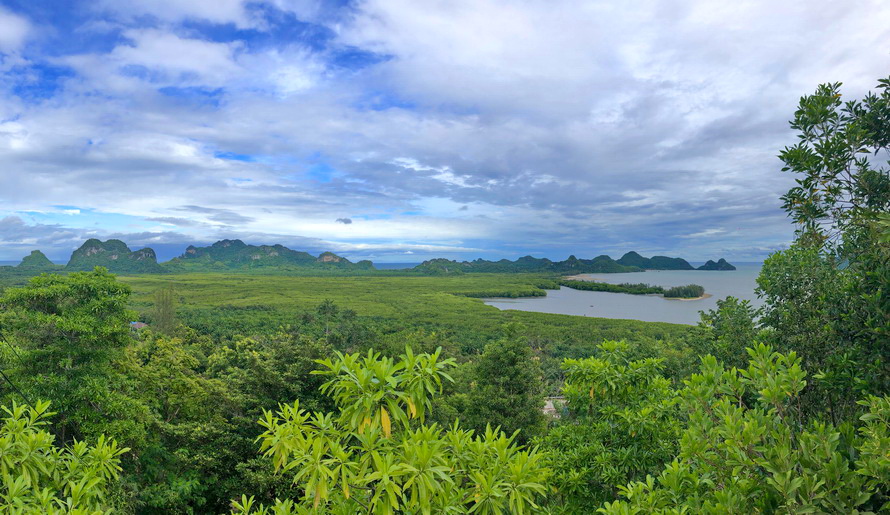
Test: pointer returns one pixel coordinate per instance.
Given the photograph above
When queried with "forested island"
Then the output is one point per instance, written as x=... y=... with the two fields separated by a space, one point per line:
x=263 y=393
x=630 y=262
x=690 y=291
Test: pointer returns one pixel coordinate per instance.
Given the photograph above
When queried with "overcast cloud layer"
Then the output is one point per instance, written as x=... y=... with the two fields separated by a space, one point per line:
x=399 y=130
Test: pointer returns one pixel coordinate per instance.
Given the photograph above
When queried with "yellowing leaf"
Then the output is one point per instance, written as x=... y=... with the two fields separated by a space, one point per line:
x=385 y=422
x=412 y=408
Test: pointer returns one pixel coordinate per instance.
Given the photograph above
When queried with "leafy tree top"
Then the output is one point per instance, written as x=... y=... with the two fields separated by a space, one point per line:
x=377 y=456
x=38 y=477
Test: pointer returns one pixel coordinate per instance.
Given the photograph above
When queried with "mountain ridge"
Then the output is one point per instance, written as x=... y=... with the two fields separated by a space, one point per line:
x=114 y=255
x=629 y=262
x=234 y=255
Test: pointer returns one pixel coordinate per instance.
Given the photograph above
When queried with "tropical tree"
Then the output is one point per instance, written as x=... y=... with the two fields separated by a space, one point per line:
x=828 y=297
x=747 y=449
x=164 y=312
x=191 y=444
x=376 y=454
x=727 y=331
x=38 y=477
x=621 y=424
x=508 y=388
x=64 y=335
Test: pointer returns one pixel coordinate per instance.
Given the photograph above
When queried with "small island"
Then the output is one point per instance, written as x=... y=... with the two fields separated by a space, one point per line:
x=720 y=266
x=688 y=292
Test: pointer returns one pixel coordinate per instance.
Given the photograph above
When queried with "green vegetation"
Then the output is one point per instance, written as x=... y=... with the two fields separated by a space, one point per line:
x=690 y=291
x=36 y=260
x=668 y=263
x=655 y=262
x=222 y=305
x=632 y=289
x=371 y=456
x=746 y=448
x=185 y=401
x=163 y=314
x=621 y=424
x=508 y=388
x=39 y=477
x=252 y=393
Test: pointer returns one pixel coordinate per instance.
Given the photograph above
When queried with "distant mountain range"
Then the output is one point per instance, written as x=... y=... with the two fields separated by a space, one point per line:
x=233 y=255
x=630 y=262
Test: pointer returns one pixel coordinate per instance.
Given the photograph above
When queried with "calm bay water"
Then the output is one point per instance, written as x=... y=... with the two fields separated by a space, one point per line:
x=394 y=266
x=566 y=301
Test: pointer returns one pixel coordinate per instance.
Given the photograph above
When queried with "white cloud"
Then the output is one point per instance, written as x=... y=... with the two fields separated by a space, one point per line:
x=182 y=60
x=705 y=233
x=563 y=124
x=14 y=30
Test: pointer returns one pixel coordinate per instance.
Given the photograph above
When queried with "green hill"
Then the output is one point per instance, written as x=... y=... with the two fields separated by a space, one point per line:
x=720 y=265
x=655 y=262
x=115 y=256
x=37 y=261
x=237 y=255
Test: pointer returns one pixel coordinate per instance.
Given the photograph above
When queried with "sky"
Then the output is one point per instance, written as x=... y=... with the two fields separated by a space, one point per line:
x=398 y=130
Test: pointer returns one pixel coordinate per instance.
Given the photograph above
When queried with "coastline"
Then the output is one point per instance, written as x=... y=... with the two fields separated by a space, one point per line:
x=705 y=296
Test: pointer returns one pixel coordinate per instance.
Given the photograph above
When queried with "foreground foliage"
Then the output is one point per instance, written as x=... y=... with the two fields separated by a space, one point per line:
x=38 y=477
x=747 y=449
x=377 y=456
x=621 y=424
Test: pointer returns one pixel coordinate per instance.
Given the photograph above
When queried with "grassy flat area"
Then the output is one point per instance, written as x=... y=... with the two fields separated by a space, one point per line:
x=225 y=304
x=369 y=295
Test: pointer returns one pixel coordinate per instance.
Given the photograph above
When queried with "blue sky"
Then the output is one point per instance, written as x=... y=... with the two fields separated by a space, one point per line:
x=399 y=131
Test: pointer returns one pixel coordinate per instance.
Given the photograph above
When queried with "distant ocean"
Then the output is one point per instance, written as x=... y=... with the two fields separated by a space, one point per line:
x=394 y=266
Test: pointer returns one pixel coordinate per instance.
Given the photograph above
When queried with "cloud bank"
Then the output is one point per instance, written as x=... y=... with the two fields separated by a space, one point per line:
x=458 y=129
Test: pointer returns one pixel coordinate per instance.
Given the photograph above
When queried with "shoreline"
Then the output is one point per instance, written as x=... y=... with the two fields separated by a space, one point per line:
x=705 y=296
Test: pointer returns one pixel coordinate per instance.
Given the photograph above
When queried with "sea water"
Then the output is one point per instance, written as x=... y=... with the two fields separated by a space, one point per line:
x=739 y=283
